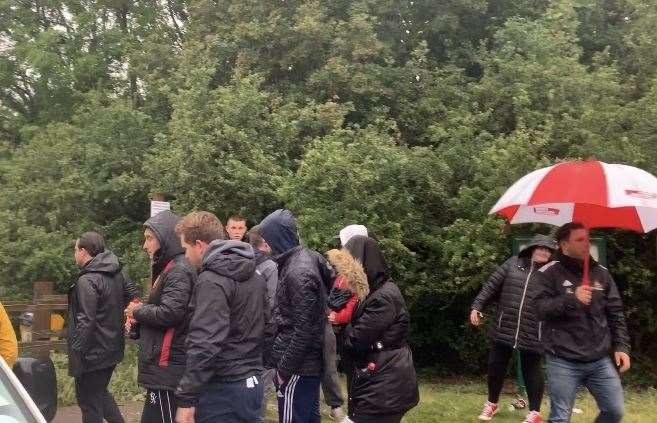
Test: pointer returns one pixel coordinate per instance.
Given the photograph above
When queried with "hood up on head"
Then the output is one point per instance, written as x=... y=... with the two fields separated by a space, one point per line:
x=367 y=252
x=163 y=226
x=279 y=229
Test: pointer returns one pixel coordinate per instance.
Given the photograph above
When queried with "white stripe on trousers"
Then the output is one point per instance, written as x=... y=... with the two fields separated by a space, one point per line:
x=164 y=420
x=288 y=413
x=159 y=394
x=169 y=403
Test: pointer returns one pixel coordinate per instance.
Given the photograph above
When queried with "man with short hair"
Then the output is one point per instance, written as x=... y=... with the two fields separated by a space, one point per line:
x=222 y=382
x=300 y=316
x=95 y=327
x=163 y=319
x=236 y=227
x=584 y=326
x=269 y=270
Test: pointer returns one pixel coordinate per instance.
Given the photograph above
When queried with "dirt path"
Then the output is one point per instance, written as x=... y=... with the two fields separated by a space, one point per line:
x=131 y=413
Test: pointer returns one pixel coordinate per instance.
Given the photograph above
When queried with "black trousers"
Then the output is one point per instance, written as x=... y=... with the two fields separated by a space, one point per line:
x=498 y=363
x=382 y=418
x=159 y=407
x=94 y=399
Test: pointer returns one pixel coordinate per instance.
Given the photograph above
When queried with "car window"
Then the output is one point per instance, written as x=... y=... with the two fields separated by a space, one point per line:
x=12 y=405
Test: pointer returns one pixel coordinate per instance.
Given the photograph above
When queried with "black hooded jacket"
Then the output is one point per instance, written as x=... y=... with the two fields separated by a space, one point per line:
x=95 y=315
x=304 y=279
x=378 y=334
x=226 y=333
x=515 y=322
x=574 y=331
x=164 y=317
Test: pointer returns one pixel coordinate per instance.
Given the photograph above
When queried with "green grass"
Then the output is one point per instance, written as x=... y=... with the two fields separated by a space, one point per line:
x=123 y=384
x=462 y=403
x=444 y=403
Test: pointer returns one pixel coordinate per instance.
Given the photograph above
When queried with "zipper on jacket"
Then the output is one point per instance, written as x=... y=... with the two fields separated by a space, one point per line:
x=522 y=303
x=499 y=322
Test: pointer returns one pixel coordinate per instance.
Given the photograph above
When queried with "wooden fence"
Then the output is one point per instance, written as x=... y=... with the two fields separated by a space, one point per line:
x=39 y=339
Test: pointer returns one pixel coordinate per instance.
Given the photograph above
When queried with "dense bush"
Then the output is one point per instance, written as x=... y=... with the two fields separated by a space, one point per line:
x=410 y=117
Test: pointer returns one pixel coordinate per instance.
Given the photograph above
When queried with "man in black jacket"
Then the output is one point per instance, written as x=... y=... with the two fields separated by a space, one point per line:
x=163 y=319
x=222 y=380
x=584 y=327
x=95 y=327
x=300 y=318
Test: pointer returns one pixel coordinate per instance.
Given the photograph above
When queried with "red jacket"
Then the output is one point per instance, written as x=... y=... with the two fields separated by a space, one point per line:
x=343 y=316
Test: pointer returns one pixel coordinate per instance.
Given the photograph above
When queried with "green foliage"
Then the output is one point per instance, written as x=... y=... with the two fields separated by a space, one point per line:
x=409 y=117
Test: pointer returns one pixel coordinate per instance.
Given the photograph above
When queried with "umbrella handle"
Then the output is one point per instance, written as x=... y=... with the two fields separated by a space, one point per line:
x=587 y=264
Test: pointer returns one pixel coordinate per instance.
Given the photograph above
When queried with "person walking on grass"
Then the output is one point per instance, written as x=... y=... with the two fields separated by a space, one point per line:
x=584 y=328
x=300 y=316
x=382 y=382
x=516 y=325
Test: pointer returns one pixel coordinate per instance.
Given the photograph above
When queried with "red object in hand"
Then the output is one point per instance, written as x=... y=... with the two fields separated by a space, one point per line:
x=343 y=316
x=371 y=366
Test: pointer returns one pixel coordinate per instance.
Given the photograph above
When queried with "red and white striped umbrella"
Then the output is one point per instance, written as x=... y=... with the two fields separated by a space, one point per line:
x=597 y=194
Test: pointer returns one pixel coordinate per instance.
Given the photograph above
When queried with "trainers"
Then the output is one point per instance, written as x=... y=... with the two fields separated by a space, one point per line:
x=533 y=417
x=489 y=411
x=337 y=414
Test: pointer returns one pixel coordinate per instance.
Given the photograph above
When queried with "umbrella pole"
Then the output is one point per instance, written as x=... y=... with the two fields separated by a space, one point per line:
x=587 y=264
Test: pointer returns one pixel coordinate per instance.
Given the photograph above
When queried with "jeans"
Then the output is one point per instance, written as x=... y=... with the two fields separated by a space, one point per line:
x=231 y=402
x=600 y=378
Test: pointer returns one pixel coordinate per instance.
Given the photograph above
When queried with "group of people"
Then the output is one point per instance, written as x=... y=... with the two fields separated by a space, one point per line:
x=545 y=310
x=225 y=321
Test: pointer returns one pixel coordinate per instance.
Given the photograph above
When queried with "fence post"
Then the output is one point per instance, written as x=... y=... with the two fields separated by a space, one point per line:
x=42 y=312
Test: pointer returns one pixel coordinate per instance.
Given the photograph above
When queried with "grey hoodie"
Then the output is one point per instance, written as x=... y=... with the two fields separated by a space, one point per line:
x=225 y=337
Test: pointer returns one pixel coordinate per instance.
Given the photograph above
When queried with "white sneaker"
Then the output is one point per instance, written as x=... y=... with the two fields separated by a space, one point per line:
x=337 y=414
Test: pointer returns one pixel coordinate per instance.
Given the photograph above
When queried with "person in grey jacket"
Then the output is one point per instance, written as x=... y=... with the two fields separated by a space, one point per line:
x=222 y=378
x=268 y=268
x=516 y=324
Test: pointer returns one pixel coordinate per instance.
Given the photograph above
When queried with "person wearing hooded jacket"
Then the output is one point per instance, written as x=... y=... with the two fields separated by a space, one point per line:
x=586 y=338
x=269 y=270
x=163 y=318
x=381 y=379
x=516 y=324
x=95 y=326
x=222 y=378
x=304 y=278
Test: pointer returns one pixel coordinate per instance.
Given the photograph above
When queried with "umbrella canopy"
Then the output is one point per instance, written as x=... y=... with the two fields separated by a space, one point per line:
x=597 y=194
